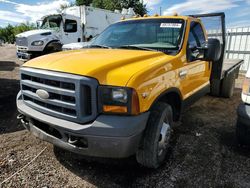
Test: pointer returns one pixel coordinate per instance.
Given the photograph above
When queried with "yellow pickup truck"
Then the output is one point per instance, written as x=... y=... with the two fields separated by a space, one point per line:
x=120 y=95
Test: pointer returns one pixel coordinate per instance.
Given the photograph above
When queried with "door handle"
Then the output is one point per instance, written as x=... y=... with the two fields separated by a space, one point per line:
x=182 y=73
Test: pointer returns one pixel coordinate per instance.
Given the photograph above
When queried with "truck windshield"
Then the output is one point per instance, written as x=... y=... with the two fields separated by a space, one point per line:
x=51 y=22
x=150 y=34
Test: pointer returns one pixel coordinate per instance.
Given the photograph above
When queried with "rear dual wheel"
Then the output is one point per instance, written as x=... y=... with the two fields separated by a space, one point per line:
x=155 y=142
x=225 y=87
x=228 y=84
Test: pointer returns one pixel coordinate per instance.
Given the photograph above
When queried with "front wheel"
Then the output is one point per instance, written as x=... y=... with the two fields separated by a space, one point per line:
x=54 y=46
x=155 y=142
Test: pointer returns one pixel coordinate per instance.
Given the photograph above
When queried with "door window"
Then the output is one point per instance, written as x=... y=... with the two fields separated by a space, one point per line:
x=196 y=39
x=70 y=26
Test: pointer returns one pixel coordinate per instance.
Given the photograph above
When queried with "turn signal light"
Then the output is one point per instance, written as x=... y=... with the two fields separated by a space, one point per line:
x=135 y=104
x=115 y=109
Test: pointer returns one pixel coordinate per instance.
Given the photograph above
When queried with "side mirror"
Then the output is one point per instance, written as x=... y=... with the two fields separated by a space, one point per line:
x=213 y=50
x=63 y=25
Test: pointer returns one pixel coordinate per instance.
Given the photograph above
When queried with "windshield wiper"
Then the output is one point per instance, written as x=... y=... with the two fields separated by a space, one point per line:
x=98 y=46
x=136 y=47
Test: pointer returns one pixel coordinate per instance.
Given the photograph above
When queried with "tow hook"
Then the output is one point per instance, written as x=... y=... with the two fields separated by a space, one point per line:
x=79 y=142
x=21 y=117
x=72 y=140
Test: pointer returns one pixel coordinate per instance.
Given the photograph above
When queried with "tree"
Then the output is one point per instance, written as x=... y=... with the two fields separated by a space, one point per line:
x=99 y=4
x=9 y=32
x=64 y=6
x=23 y=27
x=83 y=2
x=138 y=6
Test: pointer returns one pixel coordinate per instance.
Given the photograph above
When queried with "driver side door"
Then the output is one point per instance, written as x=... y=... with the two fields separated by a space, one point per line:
x=196 y=72
x=71 y=31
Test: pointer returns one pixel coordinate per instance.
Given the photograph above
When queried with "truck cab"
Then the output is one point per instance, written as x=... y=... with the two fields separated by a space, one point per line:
x=75 y=24
x=120 y=95
x=52 y=32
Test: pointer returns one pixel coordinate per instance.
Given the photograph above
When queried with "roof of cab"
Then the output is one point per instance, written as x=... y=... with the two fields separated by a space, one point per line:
x=159 y=17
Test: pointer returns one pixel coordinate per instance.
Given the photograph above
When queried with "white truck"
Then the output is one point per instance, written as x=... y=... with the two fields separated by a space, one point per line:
x=243 y=121
x=74 y=24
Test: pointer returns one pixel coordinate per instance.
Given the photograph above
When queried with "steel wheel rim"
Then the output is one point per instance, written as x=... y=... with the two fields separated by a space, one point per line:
x=164 y=138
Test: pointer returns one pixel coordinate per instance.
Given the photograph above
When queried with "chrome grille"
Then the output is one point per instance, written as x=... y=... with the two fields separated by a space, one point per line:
x=21 y=41
x=71 y=97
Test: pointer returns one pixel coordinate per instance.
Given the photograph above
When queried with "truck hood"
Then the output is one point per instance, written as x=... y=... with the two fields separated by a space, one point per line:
x=108 y=66
x=34 y=32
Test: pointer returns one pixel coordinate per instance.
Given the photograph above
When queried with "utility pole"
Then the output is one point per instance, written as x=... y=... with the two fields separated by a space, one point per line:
x=160 y=11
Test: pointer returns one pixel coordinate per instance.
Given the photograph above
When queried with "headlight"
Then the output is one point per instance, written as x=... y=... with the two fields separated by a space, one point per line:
x=246 y=86
x=37 y=43
x=119 y=100
x=119 y=95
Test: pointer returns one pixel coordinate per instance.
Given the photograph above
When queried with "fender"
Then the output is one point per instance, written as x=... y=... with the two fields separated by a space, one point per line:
x=173 y=97
x=54 y=45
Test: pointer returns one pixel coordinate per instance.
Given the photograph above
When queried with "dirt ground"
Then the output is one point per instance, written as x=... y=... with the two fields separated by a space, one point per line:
x=204 y=151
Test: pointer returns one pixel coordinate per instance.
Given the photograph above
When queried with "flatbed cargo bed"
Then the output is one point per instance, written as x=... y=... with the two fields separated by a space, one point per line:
x=230 y=65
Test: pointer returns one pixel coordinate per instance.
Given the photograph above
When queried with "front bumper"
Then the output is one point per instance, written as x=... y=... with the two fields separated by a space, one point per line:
x=108 y=136
x=23 y=56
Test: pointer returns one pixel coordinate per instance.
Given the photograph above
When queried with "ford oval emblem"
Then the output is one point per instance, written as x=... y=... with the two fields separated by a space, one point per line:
x=42 y=94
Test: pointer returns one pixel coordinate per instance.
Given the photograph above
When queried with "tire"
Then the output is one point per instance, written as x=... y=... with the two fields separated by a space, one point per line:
x=155 y=141
x=52 y=47
x=215 y=88
x=228 y=85
x=242 y=133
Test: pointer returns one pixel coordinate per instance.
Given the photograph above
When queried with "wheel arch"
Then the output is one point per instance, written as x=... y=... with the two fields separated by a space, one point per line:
x=52 y=44
x=173 y=97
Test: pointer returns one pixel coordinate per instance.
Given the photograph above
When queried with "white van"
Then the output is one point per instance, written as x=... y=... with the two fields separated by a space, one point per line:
x=243 y=121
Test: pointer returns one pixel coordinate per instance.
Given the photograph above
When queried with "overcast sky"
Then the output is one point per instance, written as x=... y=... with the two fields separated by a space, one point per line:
x=237 y=11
